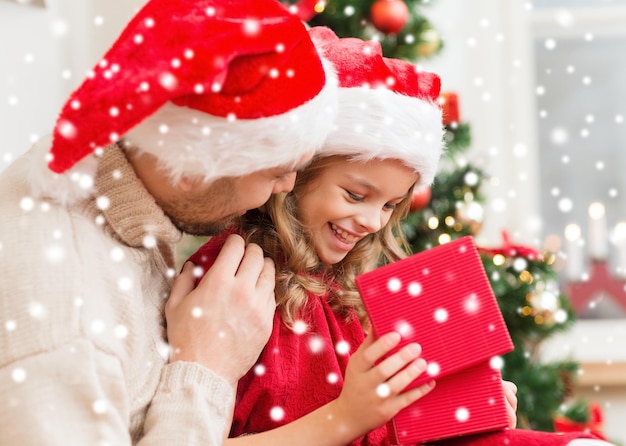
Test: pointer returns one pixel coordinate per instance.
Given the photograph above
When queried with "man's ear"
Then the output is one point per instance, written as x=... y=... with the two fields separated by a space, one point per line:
x=186 y=184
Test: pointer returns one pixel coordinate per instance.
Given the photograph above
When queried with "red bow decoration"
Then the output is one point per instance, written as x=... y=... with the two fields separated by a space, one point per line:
x=510 y=250
x=593 y=426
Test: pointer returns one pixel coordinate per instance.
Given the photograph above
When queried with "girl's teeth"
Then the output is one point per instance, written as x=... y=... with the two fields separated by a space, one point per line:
x=343 y=235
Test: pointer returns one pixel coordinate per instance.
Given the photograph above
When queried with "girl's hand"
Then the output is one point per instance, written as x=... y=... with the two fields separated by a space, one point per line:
x=373 y=393
x=510 y=395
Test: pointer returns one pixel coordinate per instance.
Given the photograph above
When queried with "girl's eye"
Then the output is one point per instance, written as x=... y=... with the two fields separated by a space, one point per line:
x=353 y=196
x=390 y=206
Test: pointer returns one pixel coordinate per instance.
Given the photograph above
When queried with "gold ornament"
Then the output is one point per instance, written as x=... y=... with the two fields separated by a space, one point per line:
x=429 y=43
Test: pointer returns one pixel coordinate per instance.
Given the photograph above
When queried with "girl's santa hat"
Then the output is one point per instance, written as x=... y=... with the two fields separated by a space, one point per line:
x=211 y=88
x=387 y=107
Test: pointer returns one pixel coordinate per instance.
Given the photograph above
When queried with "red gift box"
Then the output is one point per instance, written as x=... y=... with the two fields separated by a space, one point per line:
x=441 y=298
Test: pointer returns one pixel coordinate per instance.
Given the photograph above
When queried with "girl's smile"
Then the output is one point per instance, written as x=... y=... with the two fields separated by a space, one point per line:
x=344 y=236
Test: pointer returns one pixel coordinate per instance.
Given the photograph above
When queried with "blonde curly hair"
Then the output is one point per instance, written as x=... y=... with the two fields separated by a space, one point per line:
x=276 y=227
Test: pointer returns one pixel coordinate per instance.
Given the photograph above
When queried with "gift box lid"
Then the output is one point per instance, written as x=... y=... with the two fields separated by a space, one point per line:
x=440 y=298
x=463 y=403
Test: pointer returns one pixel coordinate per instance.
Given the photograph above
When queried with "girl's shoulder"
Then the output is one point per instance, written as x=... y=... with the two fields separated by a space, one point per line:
x=205 y=256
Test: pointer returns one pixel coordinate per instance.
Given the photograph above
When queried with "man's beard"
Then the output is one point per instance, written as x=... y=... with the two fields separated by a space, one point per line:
x=184 y=213
x=205 y=228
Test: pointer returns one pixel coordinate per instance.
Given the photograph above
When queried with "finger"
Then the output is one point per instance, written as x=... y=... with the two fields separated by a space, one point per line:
x=412 y=395
x=398 y=360
x=510 y=385
x=266 y=285
x=183 y=284
x=271 y=305
x=373 y=352
x=410 y=373
x=252 y=264
x=512 y=416
x=510 y=391
x=229 y=258
x=267 y=279
x=511 y=399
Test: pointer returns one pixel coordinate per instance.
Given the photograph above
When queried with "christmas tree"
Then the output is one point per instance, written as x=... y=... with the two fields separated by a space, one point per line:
x=523 y=280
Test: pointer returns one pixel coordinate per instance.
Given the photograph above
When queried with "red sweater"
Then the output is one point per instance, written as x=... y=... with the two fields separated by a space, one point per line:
x=298 y=372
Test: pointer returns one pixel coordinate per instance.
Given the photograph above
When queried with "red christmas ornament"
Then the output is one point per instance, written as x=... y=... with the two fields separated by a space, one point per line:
x=450 y=107
x=389 y=16
x=307 y=9
x=420 y=199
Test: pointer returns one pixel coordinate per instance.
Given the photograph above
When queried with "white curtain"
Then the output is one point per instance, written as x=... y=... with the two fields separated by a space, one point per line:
x=487 y=59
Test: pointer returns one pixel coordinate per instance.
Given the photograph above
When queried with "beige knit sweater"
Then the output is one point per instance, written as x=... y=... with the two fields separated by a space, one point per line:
x=82 y=339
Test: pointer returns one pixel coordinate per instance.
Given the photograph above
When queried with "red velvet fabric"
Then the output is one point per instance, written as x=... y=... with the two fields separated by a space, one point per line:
x=296 y=373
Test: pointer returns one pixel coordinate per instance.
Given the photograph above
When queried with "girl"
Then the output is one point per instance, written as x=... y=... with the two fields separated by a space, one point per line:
x=320 y=380
x=343 y=214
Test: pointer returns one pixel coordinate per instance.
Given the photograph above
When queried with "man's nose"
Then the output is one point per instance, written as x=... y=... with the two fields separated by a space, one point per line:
x=285 y=184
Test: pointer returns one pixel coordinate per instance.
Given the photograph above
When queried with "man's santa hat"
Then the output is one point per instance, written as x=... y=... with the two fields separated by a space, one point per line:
x=387 y=107
x=212 y=88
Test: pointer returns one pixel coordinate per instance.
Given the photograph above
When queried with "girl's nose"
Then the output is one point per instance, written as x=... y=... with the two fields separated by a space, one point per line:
x=370 y=219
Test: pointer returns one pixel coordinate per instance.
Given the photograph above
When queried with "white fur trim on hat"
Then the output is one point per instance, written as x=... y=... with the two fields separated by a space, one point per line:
x=192 y=143
x=67 y=188
x=380 y=124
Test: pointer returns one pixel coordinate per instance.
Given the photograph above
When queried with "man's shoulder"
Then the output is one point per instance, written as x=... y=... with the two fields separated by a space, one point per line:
x=30 y=173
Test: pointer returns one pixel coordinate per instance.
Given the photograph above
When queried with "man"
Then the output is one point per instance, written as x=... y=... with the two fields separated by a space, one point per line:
x=198 y=112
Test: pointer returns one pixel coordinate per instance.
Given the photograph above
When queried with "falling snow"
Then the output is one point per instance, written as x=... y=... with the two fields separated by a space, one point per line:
x=342 y=348
x=433 y=369
x=394 y=285
x=277 y=413
x=332 y=378
x=414 y=289
x=316 y=344
x=404 y=328
x=496 y=363
x=462 y=414
x=441 y=315
x=383 y=390
x=579 y=154
x=99 y=406
x=300 y=327
x=18 y=375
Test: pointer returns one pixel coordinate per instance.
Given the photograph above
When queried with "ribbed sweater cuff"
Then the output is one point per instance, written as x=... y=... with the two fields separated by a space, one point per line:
x=180 y=375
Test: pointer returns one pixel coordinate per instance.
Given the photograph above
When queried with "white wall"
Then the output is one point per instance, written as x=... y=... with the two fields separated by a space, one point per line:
x=44 y=55
x=30 y=78
x=487 y=61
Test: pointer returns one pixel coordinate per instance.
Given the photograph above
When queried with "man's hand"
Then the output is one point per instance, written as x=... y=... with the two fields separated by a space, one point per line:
x=225 y=321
